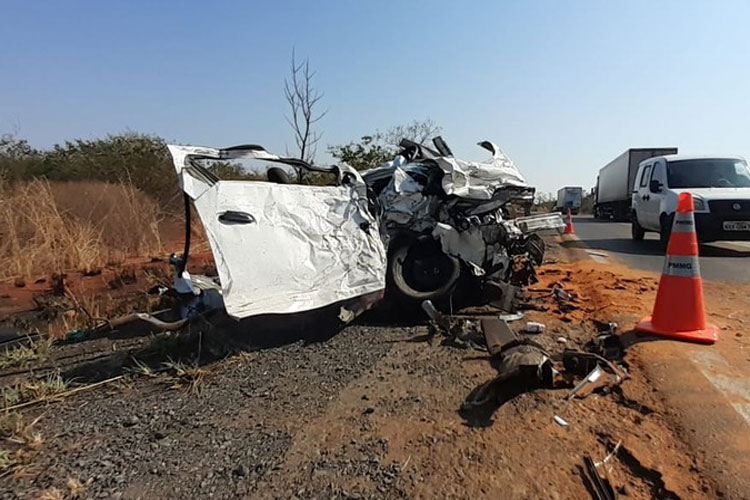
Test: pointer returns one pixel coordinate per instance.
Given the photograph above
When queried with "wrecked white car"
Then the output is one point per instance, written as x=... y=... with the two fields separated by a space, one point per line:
x=280 y=247
x=283 y=247
x=449 y=223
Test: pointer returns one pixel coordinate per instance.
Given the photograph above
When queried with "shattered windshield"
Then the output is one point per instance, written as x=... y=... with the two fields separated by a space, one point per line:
x=710 y=172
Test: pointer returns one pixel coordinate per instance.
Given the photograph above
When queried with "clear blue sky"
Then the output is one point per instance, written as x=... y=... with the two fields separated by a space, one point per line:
x=563 y=87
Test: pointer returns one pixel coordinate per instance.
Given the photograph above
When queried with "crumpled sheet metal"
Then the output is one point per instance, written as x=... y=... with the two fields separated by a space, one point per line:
x=468 y=245
x=191 y=185
x=539 y=222
x=403 y=202
x=479 y=180
x=305 y=249
x=523 y=355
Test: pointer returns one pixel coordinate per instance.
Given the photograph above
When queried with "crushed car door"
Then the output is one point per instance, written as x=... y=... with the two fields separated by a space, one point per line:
x=285 y=248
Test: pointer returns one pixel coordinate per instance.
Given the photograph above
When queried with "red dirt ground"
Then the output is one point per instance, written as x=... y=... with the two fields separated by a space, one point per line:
x=413 y=393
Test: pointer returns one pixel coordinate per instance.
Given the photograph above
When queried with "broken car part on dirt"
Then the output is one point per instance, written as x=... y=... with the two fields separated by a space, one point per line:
x=600 y=488
x=522 y=364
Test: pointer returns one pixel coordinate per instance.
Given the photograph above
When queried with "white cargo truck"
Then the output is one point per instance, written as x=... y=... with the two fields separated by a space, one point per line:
x=569 y=198
x=720 y=186
x=614 y=185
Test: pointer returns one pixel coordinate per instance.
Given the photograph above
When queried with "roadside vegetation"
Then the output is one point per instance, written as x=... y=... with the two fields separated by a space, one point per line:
x=50 y=227
x=22 y=355
x=382 y=146
x=138 y=159
x=25 y=391
x=82 y=205
x=21 y=440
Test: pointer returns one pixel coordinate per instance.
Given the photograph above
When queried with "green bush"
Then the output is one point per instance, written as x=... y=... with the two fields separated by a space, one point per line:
x=132 y=158
x=140 y=159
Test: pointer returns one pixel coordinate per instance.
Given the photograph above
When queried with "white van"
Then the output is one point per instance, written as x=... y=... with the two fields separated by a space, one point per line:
x=721 y=192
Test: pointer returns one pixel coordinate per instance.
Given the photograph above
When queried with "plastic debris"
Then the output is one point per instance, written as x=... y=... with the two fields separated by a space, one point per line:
x=533 y=327
x=561 y=421
x=510 y=317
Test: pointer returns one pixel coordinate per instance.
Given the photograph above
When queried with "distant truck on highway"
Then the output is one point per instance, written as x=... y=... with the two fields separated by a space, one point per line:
x=721 y=194
x=614 y=184
x=569 y=197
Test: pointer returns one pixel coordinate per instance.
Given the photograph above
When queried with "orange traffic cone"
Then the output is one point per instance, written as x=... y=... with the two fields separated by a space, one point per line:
x=679 y=311
x=569 y=224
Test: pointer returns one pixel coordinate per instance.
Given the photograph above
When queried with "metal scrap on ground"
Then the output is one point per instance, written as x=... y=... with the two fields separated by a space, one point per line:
x=524 y=365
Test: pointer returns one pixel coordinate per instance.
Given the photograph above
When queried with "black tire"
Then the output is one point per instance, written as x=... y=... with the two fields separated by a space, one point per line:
x=636 y=230
x=665 y=229
x=418 y=270
x=535 y=246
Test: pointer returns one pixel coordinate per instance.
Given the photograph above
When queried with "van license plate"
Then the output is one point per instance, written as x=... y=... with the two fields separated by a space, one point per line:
x=736 y=225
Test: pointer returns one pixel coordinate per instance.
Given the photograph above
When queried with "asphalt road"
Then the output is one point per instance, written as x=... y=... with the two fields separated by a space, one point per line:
x=721 y=261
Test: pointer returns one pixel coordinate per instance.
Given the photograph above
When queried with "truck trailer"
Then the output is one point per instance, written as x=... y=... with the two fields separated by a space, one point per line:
x=569 y=198
x=614 y=184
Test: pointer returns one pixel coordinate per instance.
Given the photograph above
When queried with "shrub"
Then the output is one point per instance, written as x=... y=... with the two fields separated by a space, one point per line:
x=130 y=157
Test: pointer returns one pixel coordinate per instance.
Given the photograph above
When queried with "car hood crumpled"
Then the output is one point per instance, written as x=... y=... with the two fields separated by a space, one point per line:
x=306 y=246
x=480 y=180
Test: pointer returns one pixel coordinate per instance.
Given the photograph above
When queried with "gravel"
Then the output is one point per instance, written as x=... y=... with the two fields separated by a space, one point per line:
x=152 y=440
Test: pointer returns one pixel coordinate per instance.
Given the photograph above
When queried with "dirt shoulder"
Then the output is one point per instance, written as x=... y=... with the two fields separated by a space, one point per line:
x=374 y=412
x=704 y=389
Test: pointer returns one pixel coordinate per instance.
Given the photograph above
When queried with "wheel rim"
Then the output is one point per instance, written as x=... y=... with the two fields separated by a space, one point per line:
x=426 y=268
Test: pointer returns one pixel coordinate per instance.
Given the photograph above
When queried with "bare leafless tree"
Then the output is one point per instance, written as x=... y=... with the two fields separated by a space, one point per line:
x=303 y=99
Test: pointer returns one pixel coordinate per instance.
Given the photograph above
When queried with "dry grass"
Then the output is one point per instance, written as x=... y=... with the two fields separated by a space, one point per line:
x=14 y=429
x=53 y=227
x=22 y=355
x=33 y=390
x=20 y=442
x=128 y=218
x=76 y=488
x=43 y=389
x=50 y=494
x=190 y=374
x=7 y=460
x=88 y=312
x=141 y=368
x=10 y=396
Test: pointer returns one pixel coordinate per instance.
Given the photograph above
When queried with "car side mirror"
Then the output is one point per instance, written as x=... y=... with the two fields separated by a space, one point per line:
x=655 y=186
